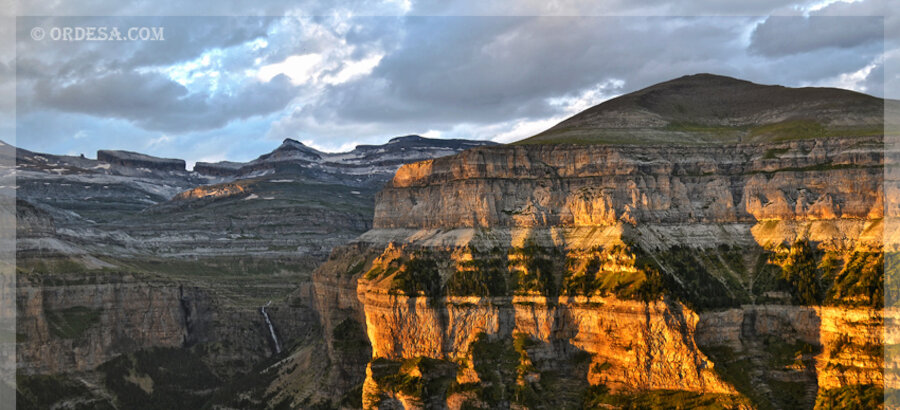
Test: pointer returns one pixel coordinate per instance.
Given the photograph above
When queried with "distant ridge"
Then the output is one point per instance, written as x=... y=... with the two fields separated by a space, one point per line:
x=708 y=108
x=364 y=160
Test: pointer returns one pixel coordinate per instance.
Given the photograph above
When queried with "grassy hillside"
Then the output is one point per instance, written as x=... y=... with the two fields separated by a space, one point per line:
x=709 y=109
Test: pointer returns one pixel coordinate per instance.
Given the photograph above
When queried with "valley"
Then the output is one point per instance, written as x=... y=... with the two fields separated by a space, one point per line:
x=683 y=246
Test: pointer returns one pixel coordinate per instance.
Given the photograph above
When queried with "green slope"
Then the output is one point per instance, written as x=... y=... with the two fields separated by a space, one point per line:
x=710 y=109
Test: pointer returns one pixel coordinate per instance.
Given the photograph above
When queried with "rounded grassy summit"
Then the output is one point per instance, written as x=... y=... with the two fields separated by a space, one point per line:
x=710 y=109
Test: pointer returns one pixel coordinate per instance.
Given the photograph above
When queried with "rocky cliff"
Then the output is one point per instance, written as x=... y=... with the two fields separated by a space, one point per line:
x=547 y=276
x=132 y=269
x=128 y=159
x=559 y=185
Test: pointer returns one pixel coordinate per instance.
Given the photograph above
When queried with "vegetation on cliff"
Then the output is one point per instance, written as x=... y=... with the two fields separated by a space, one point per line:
x=422 y=380
x=857 y=396
x=800 y=273
x=600 y=396
x=817 y=277
x=159 y=378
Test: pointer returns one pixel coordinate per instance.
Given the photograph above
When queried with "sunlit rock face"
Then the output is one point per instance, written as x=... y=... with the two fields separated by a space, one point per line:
x=544 y=276
x=566 y=185
x=213 y=191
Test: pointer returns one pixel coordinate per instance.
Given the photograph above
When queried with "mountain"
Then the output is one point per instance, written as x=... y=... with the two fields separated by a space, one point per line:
x=655 y=275
x=365 y=162
x=123 y=182
x=562 y=276
x=711 y=109
x=660 y=274
x=131 y=263
x=77 y=190
x=293 y=198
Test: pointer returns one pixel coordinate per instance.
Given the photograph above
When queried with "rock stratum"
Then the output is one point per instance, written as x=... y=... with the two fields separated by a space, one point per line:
x=557 y=276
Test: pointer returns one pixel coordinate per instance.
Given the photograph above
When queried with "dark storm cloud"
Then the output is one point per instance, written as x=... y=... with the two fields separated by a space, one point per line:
x=185 y=38
x=207 y=8
x=422 y=8
x=490 y=69
x=780 y=36
x=154 y=102
x=601 y=8
x=110 y=79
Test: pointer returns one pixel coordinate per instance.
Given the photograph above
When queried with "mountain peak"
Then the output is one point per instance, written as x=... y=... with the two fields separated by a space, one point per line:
x=406 y=138
x=708 y=77
x=291 y=141
x=138 y=160
x=709 y=109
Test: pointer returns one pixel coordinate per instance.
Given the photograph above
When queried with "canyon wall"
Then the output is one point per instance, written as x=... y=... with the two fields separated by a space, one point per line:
x=560 y=185
x=76 y=322
x=548 y=276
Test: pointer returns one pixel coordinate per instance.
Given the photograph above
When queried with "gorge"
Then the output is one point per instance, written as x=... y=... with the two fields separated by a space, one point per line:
x=705 y=243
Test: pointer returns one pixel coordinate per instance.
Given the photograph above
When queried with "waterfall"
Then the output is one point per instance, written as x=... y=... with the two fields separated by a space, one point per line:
x=271 y=328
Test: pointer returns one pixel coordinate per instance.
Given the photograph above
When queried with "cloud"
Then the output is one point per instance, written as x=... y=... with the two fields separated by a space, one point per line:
x=185 y=38
x=417 y=8
x=201 y=8
x=868 y=79
x=154 y=102
x=299 y=69
x=480 y=70
x=606 y=8
x=780 y=36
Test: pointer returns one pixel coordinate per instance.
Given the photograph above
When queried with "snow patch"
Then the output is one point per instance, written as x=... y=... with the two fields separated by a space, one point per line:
x=252 y=196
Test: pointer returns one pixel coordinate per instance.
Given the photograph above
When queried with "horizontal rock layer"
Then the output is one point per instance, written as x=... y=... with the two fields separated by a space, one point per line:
x=600 y=185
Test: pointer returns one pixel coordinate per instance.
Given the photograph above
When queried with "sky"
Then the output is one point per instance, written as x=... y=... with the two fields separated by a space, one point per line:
x=232 y=88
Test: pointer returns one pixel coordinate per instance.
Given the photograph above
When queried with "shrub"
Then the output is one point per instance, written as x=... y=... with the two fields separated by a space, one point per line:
x=800 y=273
x=858 y=396
x=417 y=276
x=860 y=282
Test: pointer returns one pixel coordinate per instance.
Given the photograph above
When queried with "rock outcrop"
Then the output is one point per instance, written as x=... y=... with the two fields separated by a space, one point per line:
x=130 y=159
x=618 y=272
x=77 y=322
x=566 y=185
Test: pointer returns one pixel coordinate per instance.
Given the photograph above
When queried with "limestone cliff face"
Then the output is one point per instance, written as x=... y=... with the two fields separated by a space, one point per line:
x=629 y=344
x=66 y=327
x=844 y=344
x=74 y=323
x=621 y=271
x=341 y=314
x=565 y=185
